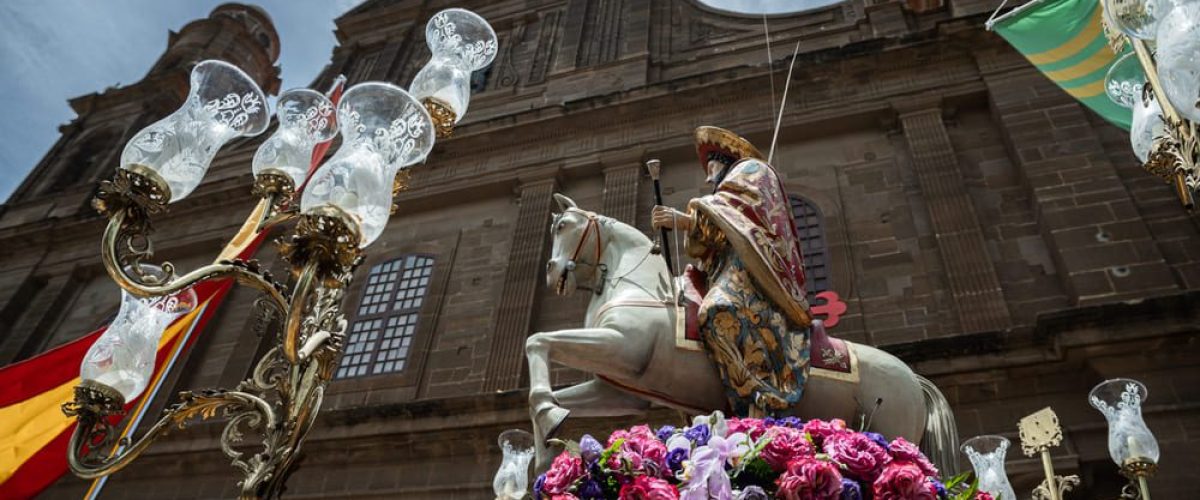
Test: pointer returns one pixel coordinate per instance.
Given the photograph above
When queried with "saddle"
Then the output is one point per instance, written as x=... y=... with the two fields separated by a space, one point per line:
x=826 y=352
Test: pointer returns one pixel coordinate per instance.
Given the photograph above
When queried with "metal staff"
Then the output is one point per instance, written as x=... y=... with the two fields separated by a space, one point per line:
x=655 y=168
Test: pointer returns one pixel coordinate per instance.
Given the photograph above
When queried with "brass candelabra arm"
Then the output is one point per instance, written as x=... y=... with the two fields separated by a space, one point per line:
x=122 y=255
x=324 y=252
x=92 y=453
x=128 y=201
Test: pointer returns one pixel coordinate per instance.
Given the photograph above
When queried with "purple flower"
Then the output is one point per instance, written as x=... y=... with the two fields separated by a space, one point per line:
x=538 y=486
x=770 y=422
x=708 y=477
x=664 y=433
x=851 y=490
x=792 y=422
x=878 y=438
x=589 y=449
x=590 y=490
x=698 y=434
x=753 y=493
x=675 y=459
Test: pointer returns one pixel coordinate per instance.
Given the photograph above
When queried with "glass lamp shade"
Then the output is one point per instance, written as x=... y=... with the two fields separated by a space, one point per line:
x=305 y=119
x=1147 y=124
x=383 y=130
x=1129 y=440
x=987 y=454
x=1136 y=18
x=1178 y=58
x=512 y=479
x=461 y=42
x=223 y=103
x=123 y=357
x=1125 y=80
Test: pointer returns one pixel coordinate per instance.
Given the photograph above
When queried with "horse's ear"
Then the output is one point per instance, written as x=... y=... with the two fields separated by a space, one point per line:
x=563 y=202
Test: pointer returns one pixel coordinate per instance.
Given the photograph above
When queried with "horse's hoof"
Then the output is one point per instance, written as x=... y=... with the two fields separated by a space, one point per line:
x=551 y=419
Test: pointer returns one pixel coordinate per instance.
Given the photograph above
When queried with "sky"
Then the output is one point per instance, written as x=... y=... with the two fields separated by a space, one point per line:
x=55 y=50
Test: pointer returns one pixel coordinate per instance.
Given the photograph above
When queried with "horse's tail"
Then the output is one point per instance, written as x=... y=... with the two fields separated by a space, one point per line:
x=940 y=441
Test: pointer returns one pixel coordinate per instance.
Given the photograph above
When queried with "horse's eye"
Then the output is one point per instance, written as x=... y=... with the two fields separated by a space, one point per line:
x=560 y=226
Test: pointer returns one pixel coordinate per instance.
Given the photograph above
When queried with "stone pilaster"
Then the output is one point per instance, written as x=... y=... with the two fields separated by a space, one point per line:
x=621 y=191
x=36 y=325
x=521 y=282
x=978 y=298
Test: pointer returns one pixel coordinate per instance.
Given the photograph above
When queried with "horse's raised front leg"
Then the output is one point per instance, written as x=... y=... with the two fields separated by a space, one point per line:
x=595 y=350
x=594 y=398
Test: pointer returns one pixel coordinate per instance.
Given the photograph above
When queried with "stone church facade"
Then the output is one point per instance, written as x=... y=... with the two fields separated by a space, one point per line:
x=975 y=219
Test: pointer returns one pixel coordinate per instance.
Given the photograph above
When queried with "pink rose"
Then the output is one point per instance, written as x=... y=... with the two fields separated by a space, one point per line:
x=901 y=449
x=753 y=427
x=983 y=495
x=820 y=429
x=562 y=496
x=785 y=445
x=808 y=478
x=648 y=488
x=646 y=448
x=563 y=473
x=861 y=457
x=617 y=434
x=643 y=431
x=903 y=480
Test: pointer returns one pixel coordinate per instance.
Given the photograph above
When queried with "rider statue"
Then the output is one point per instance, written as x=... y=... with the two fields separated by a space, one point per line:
x=753 y=318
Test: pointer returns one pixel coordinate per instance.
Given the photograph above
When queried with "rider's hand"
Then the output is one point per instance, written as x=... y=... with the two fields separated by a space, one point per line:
x=669 y=218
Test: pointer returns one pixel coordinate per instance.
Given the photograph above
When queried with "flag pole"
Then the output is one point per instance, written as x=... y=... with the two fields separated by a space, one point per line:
x=991 y=22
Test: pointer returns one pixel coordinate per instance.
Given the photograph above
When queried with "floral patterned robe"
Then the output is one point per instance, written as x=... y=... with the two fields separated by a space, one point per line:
x=754 y=319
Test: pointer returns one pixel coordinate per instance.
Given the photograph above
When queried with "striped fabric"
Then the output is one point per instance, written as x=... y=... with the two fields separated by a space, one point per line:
x=1065 y=40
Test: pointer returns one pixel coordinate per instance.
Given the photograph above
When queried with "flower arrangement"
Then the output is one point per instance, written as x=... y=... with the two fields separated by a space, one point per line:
x=747 y=459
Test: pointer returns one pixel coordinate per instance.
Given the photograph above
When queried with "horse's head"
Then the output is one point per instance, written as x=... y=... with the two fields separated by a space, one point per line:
x=577 y=249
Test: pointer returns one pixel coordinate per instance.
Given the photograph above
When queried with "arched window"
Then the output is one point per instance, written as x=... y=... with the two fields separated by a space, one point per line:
x=810 y=229
x=380 y=338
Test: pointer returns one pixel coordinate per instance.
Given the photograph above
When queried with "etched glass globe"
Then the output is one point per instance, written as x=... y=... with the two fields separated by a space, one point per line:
x=1147 y=124
x=1125 y=80
x=512 y=478
x=123 y=357
x=461 y=42
x=383 y=130
x=305 y=120
x=1129 y=440
x=1136 y=18
x=987 y=454
x=1178 y=58
x=223 y=103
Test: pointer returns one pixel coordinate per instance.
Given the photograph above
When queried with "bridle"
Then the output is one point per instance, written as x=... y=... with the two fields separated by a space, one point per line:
x=593 y=225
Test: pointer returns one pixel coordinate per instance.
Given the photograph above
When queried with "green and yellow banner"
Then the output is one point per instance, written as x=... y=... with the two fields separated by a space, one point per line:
x=1065 y=40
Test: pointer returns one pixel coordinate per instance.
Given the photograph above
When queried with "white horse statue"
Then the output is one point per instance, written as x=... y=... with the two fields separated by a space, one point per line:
x=628 y=344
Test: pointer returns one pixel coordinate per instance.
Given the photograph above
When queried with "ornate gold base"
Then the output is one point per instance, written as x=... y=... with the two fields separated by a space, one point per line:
x=94 y=398
x=443 y=117
x=1135 y=468
x=328 y=237
x=133 y=185
x=273 y=182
